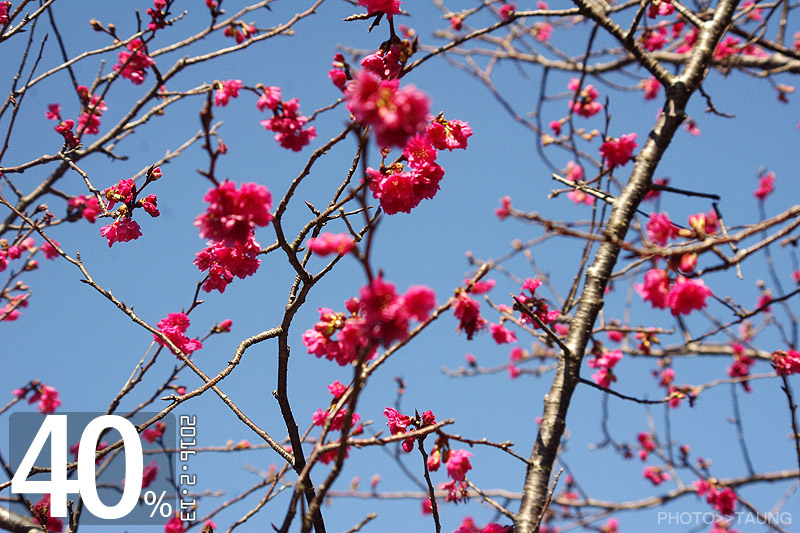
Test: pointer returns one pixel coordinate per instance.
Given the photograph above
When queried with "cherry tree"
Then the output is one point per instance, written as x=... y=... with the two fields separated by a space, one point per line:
x=295 y=180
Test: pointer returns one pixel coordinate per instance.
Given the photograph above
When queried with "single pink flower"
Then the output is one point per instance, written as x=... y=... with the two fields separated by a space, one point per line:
x=660 y=229
x=501 y=335
x=458 y=464
x=766 y=184
x=617 y=152
x=686 y=295
x=655 y=287
x=328 y=243
x=388 y=7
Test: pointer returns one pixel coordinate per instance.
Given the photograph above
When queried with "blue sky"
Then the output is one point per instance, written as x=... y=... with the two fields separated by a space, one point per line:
x=73 y=339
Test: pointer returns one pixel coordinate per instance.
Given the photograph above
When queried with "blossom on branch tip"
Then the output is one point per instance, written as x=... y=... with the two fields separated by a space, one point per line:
x=655 y=287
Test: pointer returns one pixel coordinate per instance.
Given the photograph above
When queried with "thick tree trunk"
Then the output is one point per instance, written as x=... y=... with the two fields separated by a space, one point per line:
x=556 y=402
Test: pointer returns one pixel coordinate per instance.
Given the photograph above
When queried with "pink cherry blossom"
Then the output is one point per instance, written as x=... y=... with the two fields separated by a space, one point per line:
x=617 y=152
x=225 y=91
x=651 y=87
x=501 y=335
x=655 y=287
x=269 y=99
x=47 y=397
x=419 y=301
x=132 y=64
x=328 y=243
x=394 y=113
x=458 y=464
x=225 y=262
x=574 y=172
x=123 y=229
x=687 y=295
x=42 y=512
x=766 y=184
x=660 y=229
x=174 y=525
x=586 y=105
x=232 y=214
x=149 y=474
x=174 y=328
x=786 y=363
x=656 y=475
x=48 y=250
x=503 y=211
x=467 y=311
x=53 y=110
x=399 y=191
x=388 y=7
x=289 y=125
x=506 y=10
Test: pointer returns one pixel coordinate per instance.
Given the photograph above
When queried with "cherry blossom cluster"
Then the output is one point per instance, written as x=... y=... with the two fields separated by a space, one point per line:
x=400 y=189
x=379 y=316
x=240 y=31
x=722 y=499
x=656 y=475
x=681 y=295
x=468 y=526
x=328 y=243
x=174 y=328
x=133 y=63
x=742 y=362
x=229 y=222
x=604 y=361
x=586 y=105
x=786 y=362
x=158 y=15
x=393 y=113
x=225 y=90
x=337 y=418
x=47 y=396
x=400 y=424
x=92 y=108
x=574 y=172
x=41 y=512
x=124 y=228
x=534 y=305
x=287 y=122
x=618 y=151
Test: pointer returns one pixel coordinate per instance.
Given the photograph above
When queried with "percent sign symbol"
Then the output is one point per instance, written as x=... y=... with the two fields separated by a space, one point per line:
x=158 y=503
